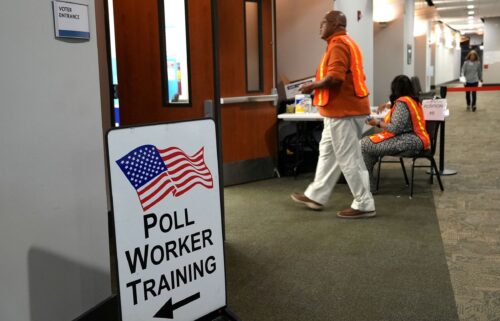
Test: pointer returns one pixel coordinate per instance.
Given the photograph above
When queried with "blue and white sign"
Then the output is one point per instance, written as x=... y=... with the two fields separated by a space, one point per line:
x=167 y=218
x=71 y=20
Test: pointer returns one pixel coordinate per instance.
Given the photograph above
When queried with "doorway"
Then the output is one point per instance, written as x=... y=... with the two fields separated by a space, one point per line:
x=179 y=62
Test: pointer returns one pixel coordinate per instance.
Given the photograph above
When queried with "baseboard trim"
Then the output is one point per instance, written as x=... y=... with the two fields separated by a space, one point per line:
x=248 y=170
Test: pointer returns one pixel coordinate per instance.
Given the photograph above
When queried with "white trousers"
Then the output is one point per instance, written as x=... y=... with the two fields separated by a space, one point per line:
x=340 y=152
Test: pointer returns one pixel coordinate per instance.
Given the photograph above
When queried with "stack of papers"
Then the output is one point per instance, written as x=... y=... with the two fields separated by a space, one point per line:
x=377 y=115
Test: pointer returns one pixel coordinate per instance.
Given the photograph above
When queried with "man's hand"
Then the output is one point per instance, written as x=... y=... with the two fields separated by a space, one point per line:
x=372 y=121
x=326 y=82
x=307 y=88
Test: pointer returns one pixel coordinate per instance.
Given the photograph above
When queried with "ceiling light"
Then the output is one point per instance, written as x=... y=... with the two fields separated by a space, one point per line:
x=470 y=0
x=470 y=22
x=470 y=6
x=470 y=12
x=384 y=10
x=470 y=17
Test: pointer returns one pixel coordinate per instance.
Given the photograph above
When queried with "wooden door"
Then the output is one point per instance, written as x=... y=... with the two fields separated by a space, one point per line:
x=138 y=38
x=248 y=129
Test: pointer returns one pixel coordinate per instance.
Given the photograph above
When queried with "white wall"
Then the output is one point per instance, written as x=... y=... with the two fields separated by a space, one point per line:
x=53 y=209
x=421 y=62
x=361 y=31
x=491 y=52
x=445 y=60
x=446 y=65
x=299 y=46
x=388 y=57
x=390 y=50
x=409 y=18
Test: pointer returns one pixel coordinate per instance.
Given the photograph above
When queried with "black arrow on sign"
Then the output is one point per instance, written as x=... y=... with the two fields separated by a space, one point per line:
x=167 y=310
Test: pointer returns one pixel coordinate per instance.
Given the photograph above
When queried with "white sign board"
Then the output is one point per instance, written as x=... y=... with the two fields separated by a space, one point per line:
x=71 y=20
x=434 y=109
x=167 y=218
x=292 y=88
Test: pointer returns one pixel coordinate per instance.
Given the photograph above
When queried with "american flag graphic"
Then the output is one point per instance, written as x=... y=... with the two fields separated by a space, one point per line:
x=155 y=173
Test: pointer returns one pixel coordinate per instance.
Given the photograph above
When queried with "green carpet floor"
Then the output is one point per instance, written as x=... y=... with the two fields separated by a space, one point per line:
x=285 y=262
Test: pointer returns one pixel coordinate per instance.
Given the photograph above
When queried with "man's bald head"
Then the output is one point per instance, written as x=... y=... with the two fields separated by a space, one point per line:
x=336 y=17
x=332 y=22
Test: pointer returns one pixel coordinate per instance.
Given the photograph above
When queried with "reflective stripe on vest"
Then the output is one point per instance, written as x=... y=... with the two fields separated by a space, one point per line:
x=322 y=95
x=356 y=67
x=417 y=118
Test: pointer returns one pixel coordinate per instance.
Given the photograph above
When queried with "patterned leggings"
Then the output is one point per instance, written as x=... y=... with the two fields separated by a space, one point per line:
x=407 y=144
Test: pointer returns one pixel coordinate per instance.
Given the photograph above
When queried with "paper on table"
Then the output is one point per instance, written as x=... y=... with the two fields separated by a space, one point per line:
x=377 y=115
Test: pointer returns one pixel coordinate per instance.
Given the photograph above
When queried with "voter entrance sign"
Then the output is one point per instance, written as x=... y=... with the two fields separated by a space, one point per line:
x=167 y=219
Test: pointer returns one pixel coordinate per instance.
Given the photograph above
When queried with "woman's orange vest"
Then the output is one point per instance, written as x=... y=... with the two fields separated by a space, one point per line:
x=417 y=119
x=321 y=96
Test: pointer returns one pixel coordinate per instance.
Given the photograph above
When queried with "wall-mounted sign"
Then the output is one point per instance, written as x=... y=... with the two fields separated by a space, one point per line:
x=71 y=20
x=167 y=218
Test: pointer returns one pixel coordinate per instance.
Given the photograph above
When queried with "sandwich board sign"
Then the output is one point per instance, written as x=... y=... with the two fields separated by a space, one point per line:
x=167 y=219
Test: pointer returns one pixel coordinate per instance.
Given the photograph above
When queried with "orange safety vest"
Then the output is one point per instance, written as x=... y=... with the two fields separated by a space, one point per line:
x=417 y=119
x=321 y=95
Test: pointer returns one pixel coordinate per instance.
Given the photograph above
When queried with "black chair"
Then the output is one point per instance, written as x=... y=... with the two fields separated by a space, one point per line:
x=403 y=168
x=433 y=130
x=418 y=89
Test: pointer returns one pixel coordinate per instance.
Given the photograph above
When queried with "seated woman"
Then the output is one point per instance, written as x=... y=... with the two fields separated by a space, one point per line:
x=403 y=133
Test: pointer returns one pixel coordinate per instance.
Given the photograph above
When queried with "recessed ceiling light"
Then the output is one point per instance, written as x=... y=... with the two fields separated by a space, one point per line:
x=470 y=12
x=470 y=22
x=470 y=17
x=470 y=0
x=470 y=6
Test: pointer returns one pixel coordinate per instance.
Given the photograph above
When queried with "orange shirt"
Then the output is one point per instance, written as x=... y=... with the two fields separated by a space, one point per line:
x=342 y=101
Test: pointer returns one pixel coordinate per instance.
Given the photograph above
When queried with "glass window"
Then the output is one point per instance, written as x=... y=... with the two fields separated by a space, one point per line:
x=174 y=52
x=114 y=67
x=253 y=45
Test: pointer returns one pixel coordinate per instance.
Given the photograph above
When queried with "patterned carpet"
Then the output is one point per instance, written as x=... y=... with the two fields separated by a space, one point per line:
x=467 y=212
x=469 y=209
x=287 y=263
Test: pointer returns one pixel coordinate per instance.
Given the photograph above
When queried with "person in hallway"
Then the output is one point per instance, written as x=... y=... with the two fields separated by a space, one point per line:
x=403 y=127
x=341 y=95
x=472 y=71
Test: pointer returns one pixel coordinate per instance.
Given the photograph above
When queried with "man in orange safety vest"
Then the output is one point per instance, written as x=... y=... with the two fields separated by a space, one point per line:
x=341 y=96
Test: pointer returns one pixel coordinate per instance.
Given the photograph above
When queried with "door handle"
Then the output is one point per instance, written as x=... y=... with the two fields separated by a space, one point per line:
x=251 y=99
